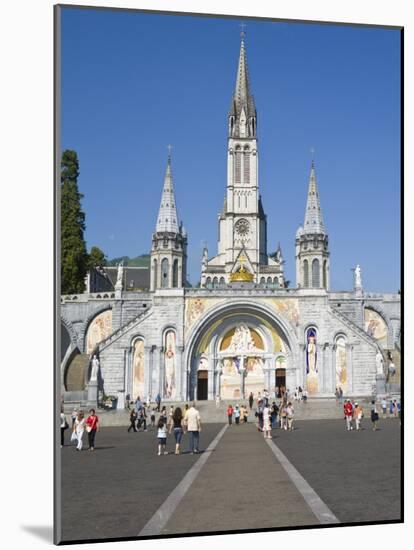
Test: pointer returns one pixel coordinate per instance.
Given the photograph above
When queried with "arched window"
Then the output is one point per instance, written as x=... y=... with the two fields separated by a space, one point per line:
x=262 y=280
x=222 y=281
x=175 y=274
x=155 y=273
x=269 y=280
x=305 y=274
x=164 y=273
x=276 y=282
x=246 y=165
x=215 y=281
x=325 y=276
x=315 y=274
x=208 y=282
x=237 y=170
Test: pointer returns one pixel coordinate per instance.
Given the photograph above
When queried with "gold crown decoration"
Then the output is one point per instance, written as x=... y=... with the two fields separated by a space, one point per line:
x=241 y=275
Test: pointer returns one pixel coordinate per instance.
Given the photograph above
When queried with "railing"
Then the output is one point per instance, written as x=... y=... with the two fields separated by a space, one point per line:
x=85 y=297
x=354 y=327
x=121 y=330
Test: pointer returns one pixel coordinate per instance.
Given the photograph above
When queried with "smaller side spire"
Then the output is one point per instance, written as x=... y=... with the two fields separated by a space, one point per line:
x=167 y=216
x=313 y=214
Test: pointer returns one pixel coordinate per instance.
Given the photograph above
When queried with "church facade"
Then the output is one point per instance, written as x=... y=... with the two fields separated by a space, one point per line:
x=242 y=330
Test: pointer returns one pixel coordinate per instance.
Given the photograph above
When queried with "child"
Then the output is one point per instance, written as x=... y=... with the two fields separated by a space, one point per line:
x=162 y=436
x=237 y=414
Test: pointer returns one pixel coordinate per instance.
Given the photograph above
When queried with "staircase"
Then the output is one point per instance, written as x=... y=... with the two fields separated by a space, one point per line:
x=394 y=382
x=123 y=329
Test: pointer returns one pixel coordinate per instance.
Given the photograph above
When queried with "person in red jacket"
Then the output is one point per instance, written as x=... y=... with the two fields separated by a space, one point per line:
x=230 y=414
x=348 y=412
x=92 y=426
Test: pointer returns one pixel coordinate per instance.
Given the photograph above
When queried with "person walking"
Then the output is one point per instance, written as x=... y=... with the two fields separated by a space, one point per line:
x=283 y=415
x=259 y=415
x=251 y=398
x=63 y=426
x=300 y=392
x=289 y=416
x=132 y=420
x=92 y=426
x=142 y=419
x=395 y=409
x=384 y=407
x=266 y=397
x=138 y=405
x=229 y=414
x=374 y=415
x=176 y=424
x=337 y=396
x=218 y=400
x=266 y=423
x=273 y=415
x=152 y=418
x=164 y=414
x=158 y=402
x=358 y=415
x=162 y=437
x=348 y=413
x=341 y=395
x=237 y=415
x=192 y=423
x=74 y=416
x=79 y=429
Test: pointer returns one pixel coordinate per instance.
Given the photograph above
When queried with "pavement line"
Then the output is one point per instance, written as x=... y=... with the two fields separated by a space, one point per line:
x=159 y=520
x=315 y=503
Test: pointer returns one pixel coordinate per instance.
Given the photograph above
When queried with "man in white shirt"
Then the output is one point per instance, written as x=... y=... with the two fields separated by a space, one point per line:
x=192 y=422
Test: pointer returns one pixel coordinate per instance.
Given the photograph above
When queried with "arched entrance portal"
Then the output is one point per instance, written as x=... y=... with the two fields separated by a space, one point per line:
x=237 y=350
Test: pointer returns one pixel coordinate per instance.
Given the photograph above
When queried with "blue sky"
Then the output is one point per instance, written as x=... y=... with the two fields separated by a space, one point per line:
x=134 y=82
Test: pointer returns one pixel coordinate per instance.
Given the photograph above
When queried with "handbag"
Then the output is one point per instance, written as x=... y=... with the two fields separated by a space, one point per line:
x=88 y=428
x=73 y=437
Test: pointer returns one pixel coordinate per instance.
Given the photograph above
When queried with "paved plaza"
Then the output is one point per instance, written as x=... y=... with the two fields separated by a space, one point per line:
x=317 y=474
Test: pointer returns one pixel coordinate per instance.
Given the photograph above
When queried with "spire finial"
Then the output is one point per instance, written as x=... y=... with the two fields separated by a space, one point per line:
x=169 y=147
x=242 y=32
x=313 y=156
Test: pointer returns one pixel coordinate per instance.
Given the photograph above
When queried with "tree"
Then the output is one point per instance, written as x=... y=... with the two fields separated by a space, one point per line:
x=74 y=258
x=96 y=257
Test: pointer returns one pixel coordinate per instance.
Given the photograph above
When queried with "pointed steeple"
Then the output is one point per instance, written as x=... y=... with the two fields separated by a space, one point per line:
x=313 y=214
x=167 y=216
x=242 y=112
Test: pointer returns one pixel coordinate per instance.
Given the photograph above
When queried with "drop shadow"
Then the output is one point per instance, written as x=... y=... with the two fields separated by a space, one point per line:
x=44 y=532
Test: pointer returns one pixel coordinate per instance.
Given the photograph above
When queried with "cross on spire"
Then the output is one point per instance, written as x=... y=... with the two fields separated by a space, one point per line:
x=169 y=147
x=312 y=150
x=242 y=32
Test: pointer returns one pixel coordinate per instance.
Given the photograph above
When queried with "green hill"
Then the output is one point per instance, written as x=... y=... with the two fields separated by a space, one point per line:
x=139 y=261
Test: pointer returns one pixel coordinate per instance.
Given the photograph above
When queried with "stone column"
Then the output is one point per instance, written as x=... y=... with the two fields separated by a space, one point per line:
x=350 y=368
x=147 y=371
x=178 y=372
x=242 y=379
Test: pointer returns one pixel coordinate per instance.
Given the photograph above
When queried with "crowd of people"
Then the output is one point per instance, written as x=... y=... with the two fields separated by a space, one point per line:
x=177 y=421
x=268 y=415
x=354 y=413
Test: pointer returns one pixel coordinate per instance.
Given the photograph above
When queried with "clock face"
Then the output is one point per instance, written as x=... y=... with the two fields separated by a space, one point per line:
x=242 y=227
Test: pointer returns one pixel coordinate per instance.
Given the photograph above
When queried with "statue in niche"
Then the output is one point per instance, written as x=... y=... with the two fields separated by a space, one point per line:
x=311 y=352
x=379 y=361
x=94 y=369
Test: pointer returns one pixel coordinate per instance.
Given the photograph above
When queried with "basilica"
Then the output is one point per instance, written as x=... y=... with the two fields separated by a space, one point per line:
x=242 y=330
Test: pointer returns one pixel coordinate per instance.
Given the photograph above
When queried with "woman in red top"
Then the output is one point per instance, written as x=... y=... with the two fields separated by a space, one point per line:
x=92 y=426
x=230 y=414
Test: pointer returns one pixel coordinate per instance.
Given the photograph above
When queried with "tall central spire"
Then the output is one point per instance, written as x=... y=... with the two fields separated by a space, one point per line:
x=167 y=215
x=313 y=214
x=242 y=112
